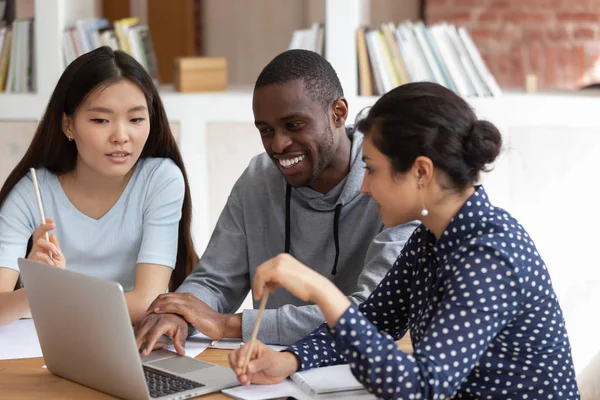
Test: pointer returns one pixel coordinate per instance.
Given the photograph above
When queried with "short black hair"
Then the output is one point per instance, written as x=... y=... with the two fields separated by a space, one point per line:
x=318 y=75
x=427 y=119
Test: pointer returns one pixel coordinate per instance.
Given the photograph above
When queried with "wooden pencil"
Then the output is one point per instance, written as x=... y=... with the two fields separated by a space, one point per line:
x=261 y=310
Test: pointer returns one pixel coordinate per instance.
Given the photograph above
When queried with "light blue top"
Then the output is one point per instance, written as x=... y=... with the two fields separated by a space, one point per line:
x=141 y=227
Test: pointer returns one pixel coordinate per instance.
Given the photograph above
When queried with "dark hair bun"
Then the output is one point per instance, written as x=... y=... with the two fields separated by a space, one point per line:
x=482 y=145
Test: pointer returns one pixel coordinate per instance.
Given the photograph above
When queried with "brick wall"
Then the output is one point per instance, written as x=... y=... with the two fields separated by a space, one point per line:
x=558 y=40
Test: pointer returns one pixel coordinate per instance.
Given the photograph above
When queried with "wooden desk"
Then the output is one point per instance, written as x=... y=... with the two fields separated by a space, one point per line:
x=26 y=379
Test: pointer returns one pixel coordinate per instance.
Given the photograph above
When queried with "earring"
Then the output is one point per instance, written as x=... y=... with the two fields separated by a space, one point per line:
x=70 y=139
x=424 y=211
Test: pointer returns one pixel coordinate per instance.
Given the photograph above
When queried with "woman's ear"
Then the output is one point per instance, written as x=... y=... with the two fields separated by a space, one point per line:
x=67 y=126
x=423 y=170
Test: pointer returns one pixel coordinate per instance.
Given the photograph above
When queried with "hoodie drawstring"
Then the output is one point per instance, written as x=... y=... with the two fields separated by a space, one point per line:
x=336 y=239
x=288 y=197
x=336 y=221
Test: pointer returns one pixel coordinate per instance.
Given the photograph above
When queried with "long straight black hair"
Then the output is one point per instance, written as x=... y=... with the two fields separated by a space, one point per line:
x=51 y=149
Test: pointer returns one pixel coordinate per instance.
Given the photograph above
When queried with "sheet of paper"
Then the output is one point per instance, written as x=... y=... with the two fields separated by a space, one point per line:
x=19 y=340
x=194 y=345
x=227 y=344
x=234 y=344
x=199 y=342
x=276 y=347
x=286 y=388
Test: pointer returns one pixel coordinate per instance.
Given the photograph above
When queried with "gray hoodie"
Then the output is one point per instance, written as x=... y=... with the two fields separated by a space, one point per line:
x=342 y=225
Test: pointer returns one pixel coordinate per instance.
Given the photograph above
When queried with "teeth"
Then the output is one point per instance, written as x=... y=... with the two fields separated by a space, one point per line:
x=118 y=154
x=287 y=163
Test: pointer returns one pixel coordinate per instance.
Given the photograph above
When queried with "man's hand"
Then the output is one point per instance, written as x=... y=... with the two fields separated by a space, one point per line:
x=196 y=312
x=151 y=327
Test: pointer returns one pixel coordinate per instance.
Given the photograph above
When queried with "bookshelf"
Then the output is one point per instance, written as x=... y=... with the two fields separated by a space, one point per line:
x=57 y=14
x=342 y=17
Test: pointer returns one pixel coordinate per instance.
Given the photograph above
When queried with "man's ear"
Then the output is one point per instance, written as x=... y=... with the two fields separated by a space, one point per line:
x=340 y=112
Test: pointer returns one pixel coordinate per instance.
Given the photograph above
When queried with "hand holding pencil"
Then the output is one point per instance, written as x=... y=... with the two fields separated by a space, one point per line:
x=266 y=367
x=257 y=363
x=45 y=248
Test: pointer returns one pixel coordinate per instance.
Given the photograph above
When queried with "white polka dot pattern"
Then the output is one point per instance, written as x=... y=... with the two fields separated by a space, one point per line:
x=483 y=317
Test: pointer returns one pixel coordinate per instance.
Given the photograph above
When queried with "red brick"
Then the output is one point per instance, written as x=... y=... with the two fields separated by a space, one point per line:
x=560 y=33
x=534 y=62
x=481 y=35
x=558 y=40
x=578 y=64
x=594 y=5
x=534 y=33
x=517 y=67
x=503 y=62
x=584 y=33
x=577 y=17
x=487 y=59
x=576 y=5
x=491 y=60
x=551 y=63
x=511 y=33
x=457 y=17
x=520 y=3
x=467 y=3
x=488 y=17
x=499 y=4
x=555 y=4
x=529 y=17
x=563 y=69
x=537 y=4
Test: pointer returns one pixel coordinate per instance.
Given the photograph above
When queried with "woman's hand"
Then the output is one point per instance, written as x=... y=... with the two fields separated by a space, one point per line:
x=42 y=248
x=289 y=273
x=266 y=366
x=304 y=283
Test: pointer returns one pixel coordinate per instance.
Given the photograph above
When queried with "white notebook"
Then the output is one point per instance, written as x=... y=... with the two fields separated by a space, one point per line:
x=325 y=383
x=336 y=378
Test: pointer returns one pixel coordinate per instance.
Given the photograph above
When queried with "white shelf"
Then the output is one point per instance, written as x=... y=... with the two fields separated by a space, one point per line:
x=568 y=109
x=21 y=106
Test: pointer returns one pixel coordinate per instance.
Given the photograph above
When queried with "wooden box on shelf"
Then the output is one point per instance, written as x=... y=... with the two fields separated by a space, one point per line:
x=200 y=74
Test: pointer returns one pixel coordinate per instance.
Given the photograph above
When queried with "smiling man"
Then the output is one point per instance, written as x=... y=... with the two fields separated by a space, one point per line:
x=301 y=196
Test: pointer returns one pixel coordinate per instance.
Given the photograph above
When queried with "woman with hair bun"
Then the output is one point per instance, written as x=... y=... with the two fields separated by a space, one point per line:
x=469 y=284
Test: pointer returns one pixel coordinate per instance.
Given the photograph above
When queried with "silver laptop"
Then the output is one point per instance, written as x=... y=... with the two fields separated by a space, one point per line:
x=86 y=336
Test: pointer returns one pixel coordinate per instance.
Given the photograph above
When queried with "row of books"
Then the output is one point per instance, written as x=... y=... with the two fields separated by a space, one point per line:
x=411 y=52
x=126 y=34
x=312 y=39
x=16 y=57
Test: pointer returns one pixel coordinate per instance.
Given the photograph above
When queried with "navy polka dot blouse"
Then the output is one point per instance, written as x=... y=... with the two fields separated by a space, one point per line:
x=483 y=316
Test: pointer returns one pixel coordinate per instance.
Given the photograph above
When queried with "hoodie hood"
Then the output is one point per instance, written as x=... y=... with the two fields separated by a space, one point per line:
x=343 y=193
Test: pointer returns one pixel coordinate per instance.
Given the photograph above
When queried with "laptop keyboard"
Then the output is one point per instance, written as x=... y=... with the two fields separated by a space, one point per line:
x=163 y=384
